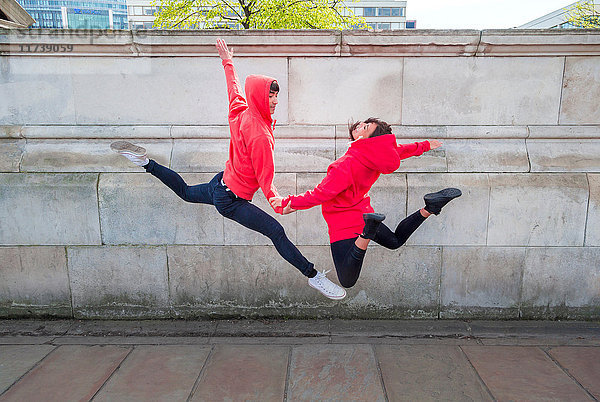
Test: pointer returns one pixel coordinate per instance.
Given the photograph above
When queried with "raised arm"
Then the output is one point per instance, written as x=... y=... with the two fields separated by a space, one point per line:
x=237 y=102
x=416 y=148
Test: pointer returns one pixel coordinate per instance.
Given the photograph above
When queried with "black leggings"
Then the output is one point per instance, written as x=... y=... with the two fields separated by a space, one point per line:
x=348 y=258
x=234 y=208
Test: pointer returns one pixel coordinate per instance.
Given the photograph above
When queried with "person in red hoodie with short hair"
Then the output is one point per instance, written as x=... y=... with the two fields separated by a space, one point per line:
x=346 y=206
x=249 y=167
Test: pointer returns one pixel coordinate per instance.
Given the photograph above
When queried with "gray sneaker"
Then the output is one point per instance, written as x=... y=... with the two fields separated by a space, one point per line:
x=132 y=152
x=325 y=286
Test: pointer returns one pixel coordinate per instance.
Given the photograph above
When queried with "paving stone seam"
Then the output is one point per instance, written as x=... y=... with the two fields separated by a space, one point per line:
x=197 y=382
x=287 y=373
x=131 y=349
x=566 y=371
x=380 y=373
x=28 y=371
x=489 y=391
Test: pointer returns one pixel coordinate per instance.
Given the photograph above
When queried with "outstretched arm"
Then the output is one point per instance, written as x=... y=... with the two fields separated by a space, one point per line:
x=237 y=103
x=416 y=148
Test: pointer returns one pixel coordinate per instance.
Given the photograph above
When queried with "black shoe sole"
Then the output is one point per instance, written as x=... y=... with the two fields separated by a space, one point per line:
x=374 y=217
x=446 y=194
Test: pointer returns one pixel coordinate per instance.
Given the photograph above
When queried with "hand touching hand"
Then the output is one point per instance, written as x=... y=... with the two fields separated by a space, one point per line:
x=276 y=203
x=434 y=144
x=224 y=52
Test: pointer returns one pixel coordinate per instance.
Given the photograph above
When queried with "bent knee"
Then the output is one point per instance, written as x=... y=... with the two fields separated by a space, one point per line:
x=348 y=283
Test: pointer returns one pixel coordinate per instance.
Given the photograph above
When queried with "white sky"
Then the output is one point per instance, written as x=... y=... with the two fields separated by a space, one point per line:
x=478 y=14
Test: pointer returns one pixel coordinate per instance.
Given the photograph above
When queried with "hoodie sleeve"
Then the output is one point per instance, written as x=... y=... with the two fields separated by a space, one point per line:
x=237 y=102
x=414 y=149
x=337 y=180
x=261 y=156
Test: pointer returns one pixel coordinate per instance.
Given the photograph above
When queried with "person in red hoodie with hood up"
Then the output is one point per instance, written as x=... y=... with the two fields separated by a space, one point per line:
x=249 y=167
x=346 y=206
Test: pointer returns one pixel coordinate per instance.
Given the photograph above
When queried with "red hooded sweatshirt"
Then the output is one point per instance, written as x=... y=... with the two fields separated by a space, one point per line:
x=250 y=163
x=343 y=193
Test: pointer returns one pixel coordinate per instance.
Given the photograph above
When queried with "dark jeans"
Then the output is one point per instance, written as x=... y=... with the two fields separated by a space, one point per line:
x=348 y=258
x=234 y=208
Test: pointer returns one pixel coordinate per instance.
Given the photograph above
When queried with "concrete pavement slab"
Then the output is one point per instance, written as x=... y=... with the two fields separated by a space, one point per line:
x=16 y=360
x=243 y=373
x=240 y=328
x=334 y=372
x=70 y=373
x=267 y=340
x=25 y=340
x=398 y=328
x=523 y=373
x=143 y=328
x=583 y=363
x=160 y=373
x=34 y=327
x=129 y=340
x=429 y=373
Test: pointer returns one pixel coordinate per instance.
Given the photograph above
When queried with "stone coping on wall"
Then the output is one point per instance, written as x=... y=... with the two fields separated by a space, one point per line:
x=300 y=43
x=402 y=132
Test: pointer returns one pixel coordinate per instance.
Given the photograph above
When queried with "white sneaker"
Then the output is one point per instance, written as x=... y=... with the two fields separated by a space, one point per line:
x=132 y=152
x=325 y=286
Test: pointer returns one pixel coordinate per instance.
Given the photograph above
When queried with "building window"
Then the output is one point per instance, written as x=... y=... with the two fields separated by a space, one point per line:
x=411 y=24
x=369 y=11
x=385 y=25
x=385 y=12
x=358 y=12
x=372 y=25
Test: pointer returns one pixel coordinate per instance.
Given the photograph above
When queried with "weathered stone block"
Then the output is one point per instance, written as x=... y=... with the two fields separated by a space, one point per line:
x=11 y=131
x=119 y=282
x=592 y=231
x=342 y=79
x=481 y=91
x=311 y=228
x=304 y=132
x=244 y=281
x=564 y=155
x=581 y=84
x=179 y=90
x=402 y=283
x=537 y=209
x=564 y=132
x=200 y=155
x=100 y=131
x=35 y=282
x=562 y=282
x=486 y=155
x=235 y=233
x=388 y=196
x=11 y=152
x=37 y=90
x=467 y=132
x=481 y=282
x=304 y=155
x=85 y=156
x=139 y=209
x=48 y=209
x=462 y=222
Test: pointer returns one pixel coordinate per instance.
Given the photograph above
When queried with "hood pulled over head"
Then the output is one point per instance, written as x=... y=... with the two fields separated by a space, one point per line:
x=257 y=94
x=377 y=153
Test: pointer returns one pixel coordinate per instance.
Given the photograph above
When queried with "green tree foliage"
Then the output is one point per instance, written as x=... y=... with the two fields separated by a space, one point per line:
x=256 y=14
x=585 y=14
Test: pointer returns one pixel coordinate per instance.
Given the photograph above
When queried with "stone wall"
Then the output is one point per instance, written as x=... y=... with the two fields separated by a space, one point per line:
x=84 y=233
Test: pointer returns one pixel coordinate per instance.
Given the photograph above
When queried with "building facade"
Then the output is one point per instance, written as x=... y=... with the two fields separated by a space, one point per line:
x=96 y=14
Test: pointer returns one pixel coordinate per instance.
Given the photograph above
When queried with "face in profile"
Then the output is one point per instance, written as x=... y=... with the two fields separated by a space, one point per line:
x=273 y=101
x=364 y=130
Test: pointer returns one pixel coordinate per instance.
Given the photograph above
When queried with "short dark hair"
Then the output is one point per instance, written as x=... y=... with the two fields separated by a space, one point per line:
x=382 y=127
x=274 y=87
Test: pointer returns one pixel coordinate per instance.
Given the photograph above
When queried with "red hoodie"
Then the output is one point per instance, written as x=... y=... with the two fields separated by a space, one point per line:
x=250 y=163
x=343 y=193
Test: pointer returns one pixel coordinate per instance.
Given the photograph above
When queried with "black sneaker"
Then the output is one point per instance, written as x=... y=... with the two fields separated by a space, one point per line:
x=434 y=202
x=372 y=222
